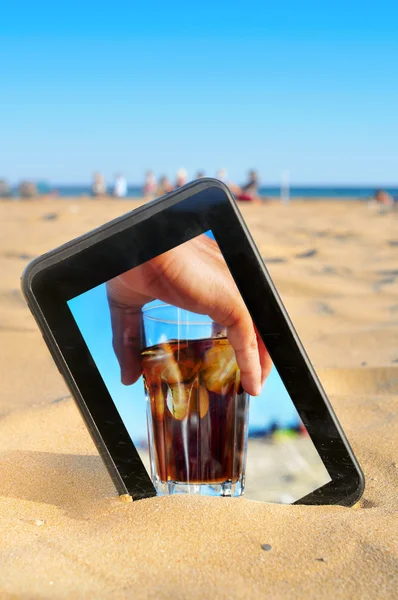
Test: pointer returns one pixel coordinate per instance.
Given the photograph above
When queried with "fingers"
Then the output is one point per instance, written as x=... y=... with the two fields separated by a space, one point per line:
x=126 y=298
x=244 y=342
x=234 y=315
x=265 y=359
x=126 y=327
x=229 y=309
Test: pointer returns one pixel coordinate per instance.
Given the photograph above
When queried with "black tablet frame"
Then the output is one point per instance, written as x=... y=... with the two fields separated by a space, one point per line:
x=64 y=273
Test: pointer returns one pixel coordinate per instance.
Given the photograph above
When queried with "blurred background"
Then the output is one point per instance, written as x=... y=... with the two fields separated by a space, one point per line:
x=303 y=93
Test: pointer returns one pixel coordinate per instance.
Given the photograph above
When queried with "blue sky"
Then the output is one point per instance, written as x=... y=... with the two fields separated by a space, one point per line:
x=127 y=86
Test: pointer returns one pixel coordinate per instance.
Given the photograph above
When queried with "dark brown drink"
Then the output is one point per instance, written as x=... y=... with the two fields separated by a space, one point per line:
x=198 y=410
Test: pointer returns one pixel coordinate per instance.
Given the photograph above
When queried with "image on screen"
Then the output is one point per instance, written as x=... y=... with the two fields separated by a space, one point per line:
x=173 y=377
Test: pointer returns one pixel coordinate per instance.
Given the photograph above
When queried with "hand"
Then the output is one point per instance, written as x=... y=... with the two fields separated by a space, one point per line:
x=195 y=277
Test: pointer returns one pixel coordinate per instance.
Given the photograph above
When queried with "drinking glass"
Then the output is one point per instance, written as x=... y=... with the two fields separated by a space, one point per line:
x=197 y=411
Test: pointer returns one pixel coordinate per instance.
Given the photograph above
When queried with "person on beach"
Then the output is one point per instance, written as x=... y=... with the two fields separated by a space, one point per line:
x=200 y=175
x=176 y=277
x=150 y=185
x=249 y=191
x=164 y=186
x=382 y=201
x=181 y=179
x=5 y=189
x=383 y=198
x=120 y=186
x=98 y=187
x=28 y=189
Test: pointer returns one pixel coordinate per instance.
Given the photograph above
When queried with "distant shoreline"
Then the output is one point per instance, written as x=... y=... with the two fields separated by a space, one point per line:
x=303 y=193
x=266 y=200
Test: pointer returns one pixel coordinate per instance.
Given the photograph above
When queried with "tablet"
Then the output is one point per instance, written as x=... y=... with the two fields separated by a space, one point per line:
x=288 y=447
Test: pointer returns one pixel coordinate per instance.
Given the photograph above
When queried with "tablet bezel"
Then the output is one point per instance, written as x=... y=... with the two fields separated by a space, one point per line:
x=54 y=278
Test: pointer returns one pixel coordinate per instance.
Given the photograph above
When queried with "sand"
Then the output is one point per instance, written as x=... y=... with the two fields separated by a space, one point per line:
x=64 y=531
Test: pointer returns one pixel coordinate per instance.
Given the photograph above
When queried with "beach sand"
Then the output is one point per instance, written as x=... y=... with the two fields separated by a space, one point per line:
x=64 y=531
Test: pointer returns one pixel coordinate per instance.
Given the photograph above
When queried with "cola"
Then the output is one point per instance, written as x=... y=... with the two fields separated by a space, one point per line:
x=197 y=414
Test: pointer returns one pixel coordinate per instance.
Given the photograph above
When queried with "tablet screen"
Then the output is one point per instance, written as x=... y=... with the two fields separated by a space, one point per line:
x=131 y=331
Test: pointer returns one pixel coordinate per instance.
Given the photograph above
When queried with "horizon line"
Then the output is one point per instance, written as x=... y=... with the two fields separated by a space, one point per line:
x=261 y=185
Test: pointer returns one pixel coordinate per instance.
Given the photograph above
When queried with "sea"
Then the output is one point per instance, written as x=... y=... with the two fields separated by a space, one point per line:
x=295 y=192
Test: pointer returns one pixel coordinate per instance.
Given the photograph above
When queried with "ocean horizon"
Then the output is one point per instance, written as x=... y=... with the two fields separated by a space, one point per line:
x=295 y=191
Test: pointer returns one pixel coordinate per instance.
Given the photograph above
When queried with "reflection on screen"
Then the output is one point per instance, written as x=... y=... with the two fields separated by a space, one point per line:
x=282 y=463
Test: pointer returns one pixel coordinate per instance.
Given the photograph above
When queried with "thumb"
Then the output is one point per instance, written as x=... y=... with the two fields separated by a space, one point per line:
x=126 y=326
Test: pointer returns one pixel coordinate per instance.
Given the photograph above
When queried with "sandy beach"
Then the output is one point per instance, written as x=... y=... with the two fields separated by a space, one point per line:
x=64 y=531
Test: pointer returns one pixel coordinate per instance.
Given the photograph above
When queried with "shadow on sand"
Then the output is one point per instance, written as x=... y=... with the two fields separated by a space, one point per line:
x=71 y=482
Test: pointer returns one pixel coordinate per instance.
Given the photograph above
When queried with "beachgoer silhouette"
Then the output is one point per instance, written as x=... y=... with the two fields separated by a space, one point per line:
x=182 y=178
x=98 y=187
x=149 y=185
x=164 y=186
x=120 y=186
x=249 y=191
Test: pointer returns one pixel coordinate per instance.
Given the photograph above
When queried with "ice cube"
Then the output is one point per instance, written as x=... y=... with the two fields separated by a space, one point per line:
x=179 y=400
x=219 y=367
x=157 y=401
x=198 y=399
x=154 y=361
x=203 y=401
x=179 y=371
